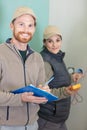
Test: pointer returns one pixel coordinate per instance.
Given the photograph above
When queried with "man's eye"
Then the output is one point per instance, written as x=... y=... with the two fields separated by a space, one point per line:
x=31 y=25
x=21 y=24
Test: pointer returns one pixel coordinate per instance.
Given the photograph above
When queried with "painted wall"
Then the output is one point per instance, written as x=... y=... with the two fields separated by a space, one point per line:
x=41 y=9
x=71 y=17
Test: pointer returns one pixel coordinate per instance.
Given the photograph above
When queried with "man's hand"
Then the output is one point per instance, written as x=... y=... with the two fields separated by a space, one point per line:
x=29 y=97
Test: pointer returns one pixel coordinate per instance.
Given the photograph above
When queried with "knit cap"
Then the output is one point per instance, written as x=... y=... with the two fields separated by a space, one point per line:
x=23 y=10
x=50 y=31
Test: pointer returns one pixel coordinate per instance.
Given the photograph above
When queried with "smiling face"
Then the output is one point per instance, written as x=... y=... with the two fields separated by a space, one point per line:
x=23 y=29
x=53 y=44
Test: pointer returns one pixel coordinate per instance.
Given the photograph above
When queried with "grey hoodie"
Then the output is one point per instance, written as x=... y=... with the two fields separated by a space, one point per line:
x=15 y=74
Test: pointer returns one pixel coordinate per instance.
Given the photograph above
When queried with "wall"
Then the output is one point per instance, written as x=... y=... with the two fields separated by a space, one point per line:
x=41 y=9
x=71 y=17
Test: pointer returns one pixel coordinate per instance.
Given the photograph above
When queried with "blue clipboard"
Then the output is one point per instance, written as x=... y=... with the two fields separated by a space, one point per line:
x=37 y=92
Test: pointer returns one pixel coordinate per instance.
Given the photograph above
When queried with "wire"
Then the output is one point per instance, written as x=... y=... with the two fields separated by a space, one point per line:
x=76 y=98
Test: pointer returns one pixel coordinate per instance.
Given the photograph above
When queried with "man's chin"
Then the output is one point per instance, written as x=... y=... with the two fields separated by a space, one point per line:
x=25 y=40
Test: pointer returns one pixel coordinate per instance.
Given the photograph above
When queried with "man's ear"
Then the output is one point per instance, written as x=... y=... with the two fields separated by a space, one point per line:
x=11 y=26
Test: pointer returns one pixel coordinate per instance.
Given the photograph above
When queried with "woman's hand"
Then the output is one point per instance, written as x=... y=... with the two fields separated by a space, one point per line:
x=72 y=89
x=45 y=88
x=77 y=76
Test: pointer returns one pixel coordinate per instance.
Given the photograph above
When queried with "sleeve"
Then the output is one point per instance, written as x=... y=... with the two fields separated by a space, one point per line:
x=9 y=99
x=41 y=79
x=48 y=71
x=60 y=92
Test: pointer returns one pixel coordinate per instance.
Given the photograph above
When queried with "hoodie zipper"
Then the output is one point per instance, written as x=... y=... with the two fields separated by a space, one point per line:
x=25 y=85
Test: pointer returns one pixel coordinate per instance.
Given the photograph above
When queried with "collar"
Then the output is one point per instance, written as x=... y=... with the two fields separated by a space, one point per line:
x=29 y=50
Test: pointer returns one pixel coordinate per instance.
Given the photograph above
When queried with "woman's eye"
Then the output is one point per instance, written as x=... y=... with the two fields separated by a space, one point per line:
x=58 y=40
x=49 y=41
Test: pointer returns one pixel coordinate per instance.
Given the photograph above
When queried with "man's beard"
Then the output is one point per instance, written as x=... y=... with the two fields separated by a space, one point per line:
x=22 y=39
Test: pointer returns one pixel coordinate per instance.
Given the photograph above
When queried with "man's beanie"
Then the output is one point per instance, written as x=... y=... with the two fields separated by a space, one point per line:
x=50 y=31
x=23 y=10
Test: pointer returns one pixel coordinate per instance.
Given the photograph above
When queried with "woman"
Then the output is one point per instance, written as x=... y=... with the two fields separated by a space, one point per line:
x=54 y=114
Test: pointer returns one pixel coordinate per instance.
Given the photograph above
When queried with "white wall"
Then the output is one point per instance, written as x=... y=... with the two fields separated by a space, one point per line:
x=71 y=17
